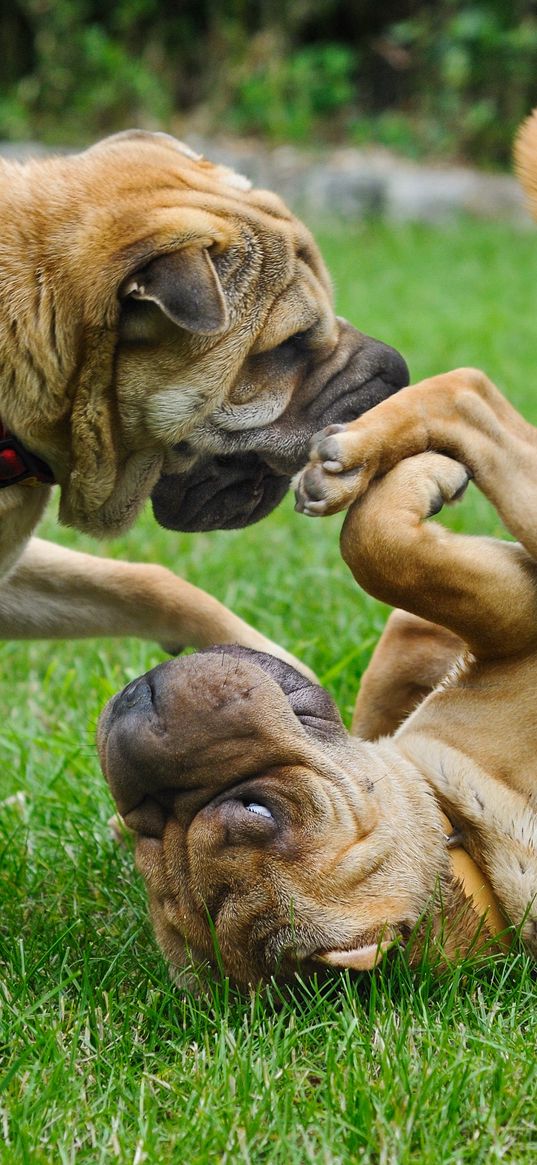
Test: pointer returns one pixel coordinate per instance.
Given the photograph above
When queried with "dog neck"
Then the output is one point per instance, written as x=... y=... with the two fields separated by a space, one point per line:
x=476 y=885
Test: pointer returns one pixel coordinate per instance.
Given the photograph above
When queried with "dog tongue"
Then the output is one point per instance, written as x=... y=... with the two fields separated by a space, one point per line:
x=218 y=493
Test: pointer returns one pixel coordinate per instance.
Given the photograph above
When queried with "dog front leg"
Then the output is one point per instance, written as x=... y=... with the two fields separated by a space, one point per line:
x=56 y=593
x=460 y=413
x=481 y=589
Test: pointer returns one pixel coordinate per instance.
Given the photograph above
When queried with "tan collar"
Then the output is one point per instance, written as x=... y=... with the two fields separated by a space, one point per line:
x=477 y=887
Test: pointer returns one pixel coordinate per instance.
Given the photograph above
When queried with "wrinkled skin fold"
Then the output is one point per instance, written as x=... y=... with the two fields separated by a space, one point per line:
x=252 y=807
x=246 y=473
x=180 y=317
x=218 y=493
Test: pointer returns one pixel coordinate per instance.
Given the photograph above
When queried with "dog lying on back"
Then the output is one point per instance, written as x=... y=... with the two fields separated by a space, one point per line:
x=261 y=821
x=264 y=829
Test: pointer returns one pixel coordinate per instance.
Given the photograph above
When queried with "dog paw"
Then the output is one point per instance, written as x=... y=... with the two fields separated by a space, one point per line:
x=173 y=648
x=337 y=472
x=422 y=485
x=445 y=479
x=342 y=466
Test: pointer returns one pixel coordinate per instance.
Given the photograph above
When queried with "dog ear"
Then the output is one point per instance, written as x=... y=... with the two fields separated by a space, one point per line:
x=184 y=284
x=360 y=959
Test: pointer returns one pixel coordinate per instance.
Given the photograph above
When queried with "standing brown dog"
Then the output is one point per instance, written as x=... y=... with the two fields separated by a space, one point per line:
x=164 y=331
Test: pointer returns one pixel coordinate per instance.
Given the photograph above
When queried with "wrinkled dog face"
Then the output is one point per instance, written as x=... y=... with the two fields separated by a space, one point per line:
x=261 y=826
x=185 y=323
x=229 y=355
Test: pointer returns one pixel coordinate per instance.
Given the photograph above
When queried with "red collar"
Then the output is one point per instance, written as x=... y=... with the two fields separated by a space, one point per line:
x=18 y=466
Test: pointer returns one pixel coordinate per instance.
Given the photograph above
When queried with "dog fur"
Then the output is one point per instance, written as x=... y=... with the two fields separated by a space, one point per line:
x=162 y=327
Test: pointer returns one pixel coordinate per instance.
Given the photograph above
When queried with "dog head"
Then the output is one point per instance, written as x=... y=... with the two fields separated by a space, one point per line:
x=264 y=831
x=172 y=325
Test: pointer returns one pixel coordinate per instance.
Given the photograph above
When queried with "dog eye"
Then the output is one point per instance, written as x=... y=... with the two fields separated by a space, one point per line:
x=299 y=339
x=261 y=810
x=244 y=822
x=296 y=341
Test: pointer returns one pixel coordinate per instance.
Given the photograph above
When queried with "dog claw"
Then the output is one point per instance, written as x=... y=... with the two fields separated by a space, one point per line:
x=311 y=509
x=454 y=839
x=173 y=648
x=330 y=429
x=332 y=466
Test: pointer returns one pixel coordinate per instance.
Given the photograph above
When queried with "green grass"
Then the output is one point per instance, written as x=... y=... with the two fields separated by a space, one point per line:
x=101 y=1060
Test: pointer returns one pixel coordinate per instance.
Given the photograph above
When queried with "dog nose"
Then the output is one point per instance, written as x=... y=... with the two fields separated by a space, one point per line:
x=385 y=360
x=137 y=696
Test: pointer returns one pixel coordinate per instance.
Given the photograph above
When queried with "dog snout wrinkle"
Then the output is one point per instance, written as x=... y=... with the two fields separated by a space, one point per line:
x=311 y=704
x=242 y=474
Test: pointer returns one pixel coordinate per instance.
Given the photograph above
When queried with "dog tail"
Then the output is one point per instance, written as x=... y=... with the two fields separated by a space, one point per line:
x=525 y=158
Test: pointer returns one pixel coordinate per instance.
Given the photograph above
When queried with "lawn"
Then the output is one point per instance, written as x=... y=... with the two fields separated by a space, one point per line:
x=101 y=1059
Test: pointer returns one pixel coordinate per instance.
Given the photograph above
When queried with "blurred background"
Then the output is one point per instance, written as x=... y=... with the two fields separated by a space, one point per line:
x=445 y=80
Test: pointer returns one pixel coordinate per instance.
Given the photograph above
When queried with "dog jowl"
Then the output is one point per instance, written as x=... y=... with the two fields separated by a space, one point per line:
x=167 y=330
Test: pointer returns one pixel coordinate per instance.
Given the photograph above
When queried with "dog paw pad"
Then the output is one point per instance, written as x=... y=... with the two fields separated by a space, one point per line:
x=311 y=509
x=326 y=447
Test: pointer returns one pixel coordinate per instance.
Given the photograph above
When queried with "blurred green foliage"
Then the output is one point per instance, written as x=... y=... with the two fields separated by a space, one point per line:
x=449 y=77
